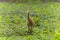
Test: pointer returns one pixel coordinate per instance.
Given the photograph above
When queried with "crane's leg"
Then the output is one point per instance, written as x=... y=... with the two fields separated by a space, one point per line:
x=30 y=29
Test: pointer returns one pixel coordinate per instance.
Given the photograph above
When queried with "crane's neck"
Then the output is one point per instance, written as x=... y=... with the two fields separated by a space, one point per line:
x=28 y=15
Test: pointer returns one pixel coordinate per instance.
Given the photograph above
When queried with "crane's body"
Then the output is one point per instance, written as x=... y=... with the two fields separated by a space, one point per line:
x=30 y=22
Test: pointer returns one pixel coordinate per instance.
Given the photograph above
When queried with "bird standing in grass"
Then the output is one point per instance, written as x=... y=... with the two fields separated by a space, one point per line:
x=30 y=22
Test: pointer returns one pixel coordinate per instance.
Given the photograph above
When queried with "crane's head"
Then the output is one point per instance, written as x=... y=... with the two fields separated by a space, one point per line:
x=28 y=12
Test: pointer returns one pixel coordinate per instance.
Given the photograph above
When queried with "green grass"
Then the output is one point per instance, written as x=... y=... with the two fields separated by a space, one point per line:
x=45 y=15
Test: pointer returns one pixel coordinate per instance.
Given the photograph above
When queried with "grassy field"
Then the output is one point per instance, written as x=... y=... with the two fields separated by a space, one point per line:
x=46 y=17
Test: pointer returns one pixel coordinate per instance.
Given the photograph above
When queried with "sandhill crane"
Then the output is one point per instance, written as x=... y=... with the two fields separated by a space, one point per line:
x=30 y=22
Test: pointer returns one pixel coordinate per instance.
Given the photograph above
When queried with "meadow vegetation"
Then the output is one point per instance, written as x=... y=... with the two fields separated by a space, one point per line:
x=46 y=17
